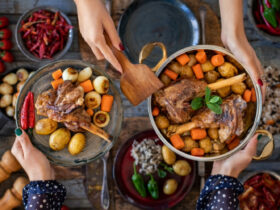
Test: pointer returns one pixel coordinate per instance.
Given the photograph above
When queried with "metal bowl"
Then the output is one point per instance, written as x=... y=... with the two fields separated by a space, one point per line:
x=250 y=175
x=95 y=146
x=20 y=42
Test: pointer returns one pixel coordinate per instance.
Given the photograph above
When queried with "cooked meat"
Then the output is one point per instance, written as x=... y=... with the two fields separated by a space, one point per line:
x=175 y=99
x=230 y=121
x=44 y=100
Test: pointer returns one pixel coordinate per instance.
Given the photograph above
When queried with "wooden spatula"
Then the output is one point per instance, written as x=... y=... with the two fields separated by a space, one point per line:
x=137 y=80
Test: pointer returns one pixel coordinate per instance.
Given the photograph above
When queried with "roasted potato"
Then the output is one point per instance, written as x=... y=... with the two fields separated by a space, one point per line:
x=45 y=126
x=77 y=143
x=213 y=133
x=101 y=119
x=92 y=100
x=165 y=79
x=5 y=88
x=10 y=111
x=227 y=70
x=249 y=82
x=11 y=79
x=70 y=74
x=207 y=66
x=6 y=100
x=85 y=74
x=238 y=88
x=15 y=96
x=22 y=74
x=211 y=76
x=206 y=144
x=59 y=139
x=101 y=84
x=218 y=146
x=162 y=122
x=170 y=186
x=175 y=66
x=189 y=144
x=168 y=155
x=182 y=167
x=20 y=85
x=223 y=92
x=192 y=60
x=186 y=72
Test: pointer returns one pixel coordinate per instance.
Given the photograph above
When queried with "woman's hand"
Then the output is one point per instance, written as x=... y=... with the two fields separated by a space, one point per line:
x=235 y=164
x=31 y=159
x=94 y=21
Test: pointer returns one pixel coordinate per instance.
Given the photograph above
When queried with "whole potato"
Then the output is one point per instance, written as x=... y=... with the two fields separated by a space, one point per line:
x=45 y=126
x=170 y=186
x=162 y=122
x=206 y=144
x=77 y=143
x=211 y=76
x=165 y=79
x=218 y=146
x=6 y=100
x=168 y=155
x=175 y=66
x=223 y=92
x=213 y=133
x=5 y=88
x=22 y=74
x=59 y=139
x=192 y=60
x=227 y=70
x=207 y=66
x=182 y=167
x=11 y=79
x=186 y=72
x=249 y=82
x=238 y=88
x=189 y=144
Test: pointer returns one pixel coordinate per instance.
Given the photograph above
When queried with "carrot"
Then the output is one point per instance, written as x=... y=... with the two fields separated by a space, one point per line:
x=155 y=111
x=57 y=74
x=56 y=83
x=87 y=85
x=200 y=50
x=270 y=122
x=254 y=97
x=106 y=103
x=247 y=95
x=171 y=74
x=197 y=152
x=201 y=57
x=177 y=141
x=198 y=71
x=220 y=53
x=90 y=112
x=183 y=59
x=198 y=133
x=233 y=144
x=228 y=141
x=217 y=60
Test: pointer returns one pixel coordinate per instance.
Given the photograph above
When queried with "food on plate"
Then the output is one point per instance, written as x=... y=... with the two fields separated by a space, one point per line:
x=206 y=144
x=77 y=143
x=227 y=70
x=85 y=74
x=162 y=122
x=107 y=103
x=45 y=126
x=87 y=86
x=59 y=139
x=138 y=182
x=211 y=76
x=92 y=100
x=168 y=155
x=223 y=92
x=20 y=85
x=57 y=74
x=101 y=84
x=182 y=168
x=6 y=88
x=153 y=187
x=165 y=79
x=170 y=186
x=213 y=133
x=238 y=88
x=22 y=74
x=10 y=78
x=262 y=191
x=10 y=111
x=101 y=119
x=189 y=144
x=56 y=83
x=207 y=66
x=70 y=74
x=5 y=100
x=27 y=113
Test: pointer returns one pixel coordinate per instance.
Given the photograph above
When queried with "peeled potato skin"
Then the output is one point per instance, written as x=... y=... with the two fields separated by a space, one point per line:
x=77 y=144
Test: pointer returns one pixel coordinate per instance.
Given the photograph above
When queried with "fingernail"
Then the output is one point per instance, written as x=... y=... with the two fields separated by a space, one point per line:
x=260 y=82
x=121 y=47
x=18 y=131
x=259 y=136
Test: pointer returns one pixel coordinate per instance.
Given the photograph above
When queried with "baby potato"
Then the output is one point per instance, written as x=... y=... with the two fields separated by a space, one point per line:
x=5 y=88
x=101 y=119
x=11 y=79
x=206 y=144
x=168 y=155
x=211 y=76
x=223 y=92
x=175 y=66
x=249 y=82
x=15 y=96
x=165 y=79
x=22 y=74
x=162 y=122
x=85 y=74
x=20 y=85
x=59 y=139
x=182 y=168
x=92 y=100
x=77 y=143
x=186 y=72
x=170 y=186
x=70 y=74
x=45 y=126
x=207 y=66
x=218 y=146
x=227 y=70
x=10 y=111
x=6 y=100
x=238 y=88
x=192 y=60
x=101 y=84
x=189 y=144
x=213 y=133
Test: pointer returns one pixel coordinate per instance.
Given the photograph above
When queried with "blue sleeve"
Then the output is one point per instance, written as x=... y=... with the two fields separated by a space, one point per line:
x=43 y=195
x=220 y=192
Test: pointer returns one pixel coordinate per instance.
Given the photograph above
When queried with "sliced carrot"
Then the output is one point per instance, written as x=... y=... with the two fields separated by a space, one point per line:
x=247 y=95
x=200 y=50
x=90 y=112
x=198 y=133
x=57 y=74
x=56 y=83
x=87 y=85
x=217 y=60
x=177 y=141
x=106 y=103
x=198 y=71
x=183 y=59
x=220 y=53
x=201 y=57
x=233 y=144
x=197 y=152
x=254 y=97
x=230 y=139
x=171 y=74
x=155 y=111
x=270 y=122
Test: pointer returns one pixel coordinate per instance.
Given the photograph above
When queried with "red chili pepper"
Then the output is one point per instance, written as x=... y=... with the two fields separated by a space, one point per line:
x=4 y=21
x=269 y=197
x=6 y=56
x=2 y=67
x=5 y=44
x=45 y=38
x=24 y=113
x=5 y=33
x=268 y=181
x=54 y=48
x=42 y=50
x=31 y=111
x=55 y=18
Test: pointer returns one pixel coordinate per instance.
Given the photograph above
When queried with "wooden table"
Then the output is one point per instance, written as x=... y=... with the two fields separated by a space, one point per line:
x=74 y=181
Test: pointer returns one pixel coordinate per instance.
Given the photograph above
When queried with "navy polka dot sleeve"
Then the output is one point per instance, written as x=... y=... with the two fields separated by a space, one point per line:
x=220 y=192
x=45 y=195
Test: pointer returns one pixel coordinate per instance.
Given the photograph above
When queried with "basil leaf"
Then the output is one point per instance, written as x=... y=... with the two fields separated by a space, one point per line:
x=270 y=16
x=275 y=4
x=215 y=108
x=207 y=94
x=197 y=103
x=214 y=99
x=220 y=101
x=161 y=173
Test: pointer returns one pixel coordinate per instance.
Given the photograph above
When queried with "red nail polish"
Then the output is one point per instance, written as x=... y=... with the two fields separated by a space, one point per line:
x=260 y=82
x=121 y=47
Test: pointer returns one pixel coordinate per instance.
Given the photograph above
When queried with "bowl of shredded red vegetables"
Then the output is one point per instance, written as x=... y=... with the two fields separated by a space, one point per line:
x=265 y=16
x=44 y=33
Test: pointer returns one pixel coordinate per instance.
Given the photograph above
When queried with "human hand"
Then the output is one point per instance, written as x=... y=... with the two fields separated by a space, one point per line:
x=31 y=159
x=235 y=164
x=94 y=21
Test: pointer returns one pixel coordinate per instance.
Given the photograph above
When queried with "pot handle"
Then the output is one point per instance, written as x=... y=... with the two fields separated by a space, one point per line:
x=146 y=51
x=268 y=148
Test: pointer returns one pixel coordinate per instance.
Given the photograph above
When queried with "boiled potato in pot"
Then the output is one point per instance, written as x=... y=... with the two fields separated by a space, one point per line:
x=207 y=66
x=168 y=155
x=165 y=79
x=170 y=186
x=10 y=111
x=211 y=76
x=77 y=143
x=175 y=66
x=223 y=92
x=45 y=126
x=186 y=72
x=227 y=70
x=70 y=74
x=5 y=88
x=162 y=122
x=6 y=100
x=101 y=119
x=238 y=88
x=101 y=84
x=192 y=60
x=182 y=167
x=22 y=74
x=11 y=79
x=92 y=100
x=189 y=144
x=218 y=146
x=206 y=144
x=85 y=74
x=213 y=133
x=59 y=139
x=249 y=82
